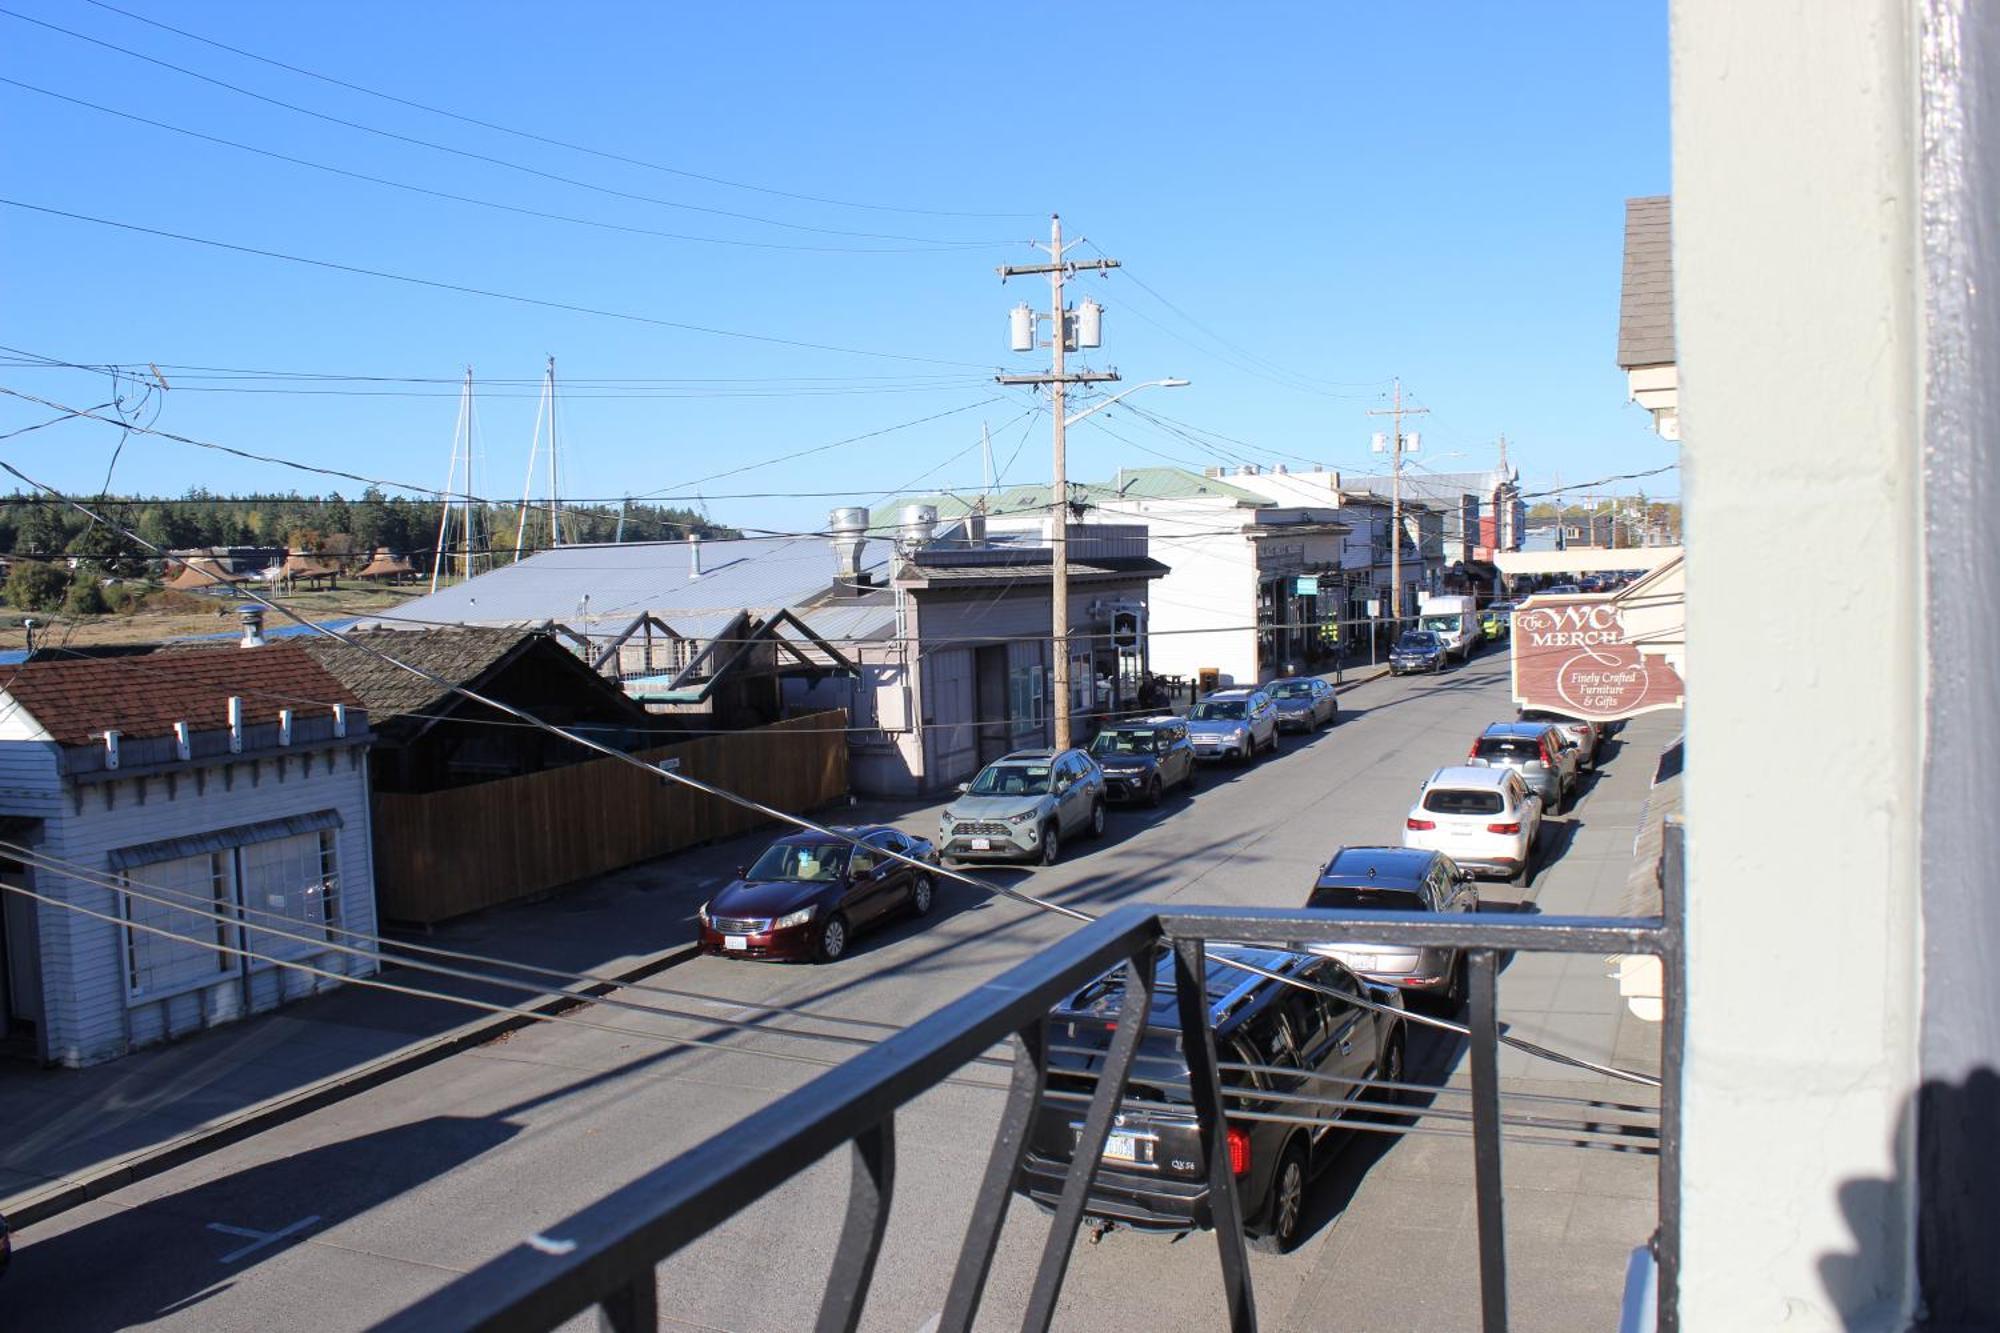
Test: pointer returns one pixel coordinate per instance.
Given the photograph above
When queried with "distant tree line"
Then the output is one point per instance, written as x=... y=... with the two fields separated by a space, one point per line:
x=42 y=537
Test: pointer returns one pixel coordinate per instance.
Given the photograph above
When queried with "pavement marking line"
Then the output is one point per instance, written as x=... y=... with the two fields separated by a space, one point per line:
x=258 y=1239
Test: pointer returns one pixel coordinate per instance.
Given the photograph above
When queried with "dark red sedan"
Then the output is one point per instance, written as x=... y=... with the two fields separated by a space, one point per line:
x=808 y=895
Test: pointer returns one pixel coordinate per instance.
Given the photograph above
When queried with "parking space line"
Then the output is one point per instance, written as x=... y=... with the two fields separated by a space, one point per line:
x=258 y=1239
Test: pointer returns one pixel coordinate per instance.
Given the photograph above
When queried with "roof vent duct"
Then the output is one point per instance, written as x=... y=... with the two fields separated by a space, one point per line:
x=253 y=626
x=847 y=527
x=694 y=556
x=919 y=526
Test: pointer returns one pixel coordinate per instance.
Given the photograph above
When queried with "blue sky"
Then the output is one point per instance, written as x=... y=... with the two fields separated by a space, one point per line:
x=1310 y=198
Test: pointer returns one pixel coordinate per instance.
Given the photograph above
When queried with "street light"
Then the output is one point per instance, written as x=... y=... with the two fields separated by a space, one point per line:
x=1169 y=383
x=1059 y=550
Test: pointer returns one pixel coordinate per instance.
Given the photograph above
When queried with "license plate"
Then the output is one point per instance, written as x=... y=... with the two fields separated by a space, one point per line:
x=982 y=844
x=1121 y=1148
x=735 y=941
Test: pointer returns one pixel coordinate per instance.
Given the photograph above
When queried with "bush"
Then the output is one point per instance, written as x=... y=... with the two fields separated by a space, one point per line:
x=34 y=586
x=86 y=597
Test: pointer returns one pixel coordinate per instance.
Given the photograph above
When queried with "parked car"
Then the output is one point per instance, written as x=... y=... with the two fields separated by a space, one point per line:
x=808 y=895
x=1142 y=760
x=1485 y=819
x=1022 y=806
x=1153 y=1175
x=1563 y=590
x=1497 y=621
x=1418 y=650
x=1399 y=879
x=1233 y=724
x=1584 y=734
x=1544 y=757
x=1304 y=703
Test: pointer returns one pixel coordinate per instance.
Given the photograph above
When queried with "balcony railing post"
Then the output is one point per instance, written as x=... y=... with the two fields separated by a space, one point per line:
x=861 y=1233
x=632 y=1308
x=1137 y=1003
x=1485 y=1039
x=996 y=1190
x=1205 y=1088
x=1673 y=1030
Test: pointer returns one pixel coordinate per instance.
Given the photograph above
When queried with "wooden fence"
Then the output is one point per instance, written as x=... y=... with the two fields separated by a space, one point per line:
x=446 y=853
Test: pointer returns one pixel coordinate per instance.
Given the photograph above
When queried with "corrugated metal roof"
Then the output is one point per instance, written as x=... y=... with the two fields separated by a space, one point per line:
x=1646 y=300
x=582 y=584
x=1132 y=483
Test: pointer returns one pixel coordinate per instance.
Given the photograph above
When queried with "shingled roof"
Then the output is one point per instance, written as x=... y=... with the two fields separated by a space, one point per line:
x=461 y=656
x=76 y=700
x=1646 y=306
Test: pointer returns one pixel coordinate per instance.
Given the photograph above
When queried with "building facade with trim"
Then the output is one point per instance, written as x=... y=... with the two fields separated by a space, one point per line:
x=165 y=806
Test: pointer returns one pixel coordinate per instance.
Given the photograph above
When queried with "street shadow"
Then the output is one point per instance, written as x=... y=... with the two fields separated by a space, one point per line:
x=172 y=1253
x=1559 y=834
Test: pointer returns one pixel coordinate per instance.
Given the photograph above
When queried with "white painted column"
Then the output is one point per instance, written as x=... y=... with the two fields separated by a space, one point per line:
x=1798 y=299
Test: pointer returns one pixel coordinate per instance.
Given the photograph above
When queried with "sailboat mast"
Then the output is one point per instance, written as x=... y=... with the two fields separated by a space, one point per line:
x=444 y=497
x=555 y=493
x=528 y=482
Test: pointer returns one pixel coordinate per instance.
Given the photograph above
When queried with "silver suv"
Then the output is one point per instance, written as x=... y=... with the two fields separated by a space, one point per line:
x=1233 y=724
x=1546 y=759
x=1022 y=806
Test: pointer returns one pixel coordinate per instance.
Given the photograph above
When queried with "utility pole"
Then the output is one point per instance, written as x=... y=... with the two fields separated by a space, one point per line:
x=1061 y=332
x=1397 y=412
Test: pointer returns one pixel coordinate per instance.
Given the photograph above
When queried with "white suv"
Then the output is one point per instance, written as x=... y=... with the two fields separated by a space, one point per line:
x=1485 y=819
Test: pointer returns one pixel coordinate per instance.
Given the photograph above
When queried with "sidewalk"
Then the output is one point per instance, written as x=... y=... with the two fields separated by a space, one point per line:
x=83 y=1132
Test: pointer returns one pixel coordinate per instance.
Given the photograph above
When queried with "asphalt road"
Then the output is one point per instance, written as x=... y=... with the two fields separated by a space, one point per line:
x=340 y=1218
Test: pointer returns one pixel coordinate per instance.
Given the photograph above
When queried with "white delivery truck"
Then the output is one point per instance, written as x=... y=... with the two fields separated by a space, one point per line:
x=1455 y=619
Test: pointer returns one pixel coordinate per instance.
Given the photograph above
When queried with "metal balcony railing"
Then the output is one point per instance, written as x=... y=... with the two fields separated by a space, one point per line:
x=605 y=1255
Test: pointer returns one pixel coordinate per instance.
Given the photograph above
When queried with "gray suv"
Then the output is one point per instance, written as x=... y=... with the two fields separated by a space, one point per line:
x=1233 y=724
x=1022 y=806
x=1546 y=759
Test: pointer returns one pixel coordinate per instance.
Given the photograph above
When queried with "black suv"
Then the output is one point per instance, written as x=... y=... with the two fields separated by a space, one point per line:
x=1269 y=1037
x=1141 y=760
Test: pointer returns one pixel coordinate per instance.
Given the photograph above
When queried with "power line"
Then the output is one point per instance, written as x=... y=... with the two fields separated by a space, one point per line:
x=543 y=138
x=319 y=938
x=89 y=414
x=490 y=203
x=799 y=821
x=464 y=152
x=185 y=371
x=463 y=289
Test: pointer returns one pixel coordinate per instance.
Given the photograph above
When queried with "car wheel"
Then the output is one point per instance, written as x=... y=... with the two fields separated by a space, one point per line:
x=1246 y=754
x=1391 y=1069
x=832 y=939
x=1097 y=820
x=1154 y=792
x=1285 y=1211
x=1051 y=844
x=923 y=896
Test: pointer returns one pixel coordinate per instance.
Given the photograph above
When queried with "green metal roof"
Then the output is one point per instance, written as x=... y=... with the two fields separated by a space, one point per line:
x=1133 y=483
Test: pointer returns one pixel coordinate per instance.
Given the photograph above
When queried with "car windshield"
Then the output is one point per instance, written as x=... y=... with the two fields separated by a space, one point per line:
x=1012 y=780
x=1292 y=689
x=1417 y=641
x=800 y=861
x=1510 y=749
x=1217 y=710
x=1125 y=742
x=1444 y=623
x=1457 y=801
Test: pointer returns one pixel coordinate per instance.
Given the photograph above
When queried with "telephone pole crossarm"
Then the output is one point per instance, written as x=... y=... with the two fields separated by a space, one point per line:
x=1080 y=377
